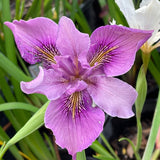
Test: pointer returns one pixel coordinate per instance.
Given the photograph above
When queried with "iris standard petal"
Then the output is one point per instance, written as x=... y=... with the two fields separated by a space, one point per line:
x=148 y=18
x=70 y=41
x=77 y=86
x=48 y=82
x=128 y=10
x=114 y=47
x=71 y=67
x=35 y=38
x=144 y=3
x=78 y=133
x=112 y=95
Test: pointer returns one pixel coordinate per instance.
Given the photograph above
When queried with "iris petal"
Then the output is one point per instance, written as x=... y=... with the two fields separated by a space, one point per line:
x=35 y=39
x=76 y=133
x=49 y=82
x=72 y=42
x=128 y=9
x=112 y=95
x=114 y=48
x=151 y=10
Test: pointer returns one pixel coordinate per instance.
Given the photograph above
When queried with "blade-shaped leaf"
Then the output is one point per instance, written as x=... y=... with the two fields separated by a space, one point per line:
x=35 y=122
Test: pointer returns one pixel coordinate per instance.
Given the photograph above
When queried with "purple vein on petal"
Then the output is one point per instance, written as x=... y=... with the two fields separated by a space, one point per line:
x=76 y=133
x=102 y=55
x=36 y=39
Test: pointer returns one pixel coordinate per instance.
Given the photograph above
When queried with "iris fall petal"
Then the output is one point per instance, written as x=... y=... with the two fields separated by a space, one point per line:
x=112 y=95
x=78 y=133
x=45 y=84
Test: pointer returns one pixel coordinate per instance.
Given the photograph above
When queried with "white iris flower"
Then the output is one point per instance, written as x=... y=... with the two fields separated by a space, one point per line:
x=147 y=17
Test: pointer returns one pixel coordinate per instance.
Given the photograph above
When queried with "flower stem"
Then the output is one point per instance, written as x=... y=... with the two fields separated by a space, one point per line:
x=142 y=94
x=153 y=133
x=146 y=57
x=141 y=87
x=139 y=133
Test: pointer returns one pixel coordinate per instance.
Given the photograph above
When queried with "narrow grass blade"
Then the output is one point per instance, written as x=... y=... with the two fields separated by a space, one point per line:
x=36 y=121
x=109 y=146
x=153 y=133
x=74 y=9
x=4 y=137
x=81 y=155
x=133 y=147
x=18 y=105
x=115 y=13
x=96 y=146
x=154 y=71
x=12 y=69
x=34 y=10
x=50 y=146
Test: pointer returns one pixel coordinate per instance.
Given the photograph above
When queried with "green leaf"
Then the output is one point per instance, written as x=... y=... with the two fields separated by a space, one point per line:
x=5 y=88
x=12 y=69
x=81 y=155
x=155 y=56
x=108 y=146
x=153 y=133
x=74 y=9
x=34 y=10
x=17 y=9
x=14 y=150
x=50 y=146
x=133 y=147
x=57 y=9
x=17 y=105
x=131 y=143
x=154 y=71
x=64 y=7
x=9 y=41
x=80 y=18
x=16 y=72
x=35 y=122
x=96 y=146
x=141 y=87
x=115 y=13
x=101 y=157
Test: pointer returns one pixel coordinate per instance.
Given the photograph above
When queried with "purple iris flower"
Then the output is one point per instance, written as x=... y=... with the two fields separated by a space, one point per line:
x=78 y=72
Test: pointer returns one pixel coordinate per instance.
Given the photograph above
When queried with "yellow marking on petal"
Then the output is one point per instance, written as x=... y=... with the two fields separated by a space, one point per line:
x=50 y=57
x=98 y=58
x=75 y=102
